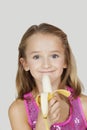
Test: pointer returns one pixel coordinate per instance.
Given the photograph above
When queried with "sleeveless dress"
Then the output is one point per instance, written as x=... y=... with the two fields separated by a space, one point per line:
x=76 y=120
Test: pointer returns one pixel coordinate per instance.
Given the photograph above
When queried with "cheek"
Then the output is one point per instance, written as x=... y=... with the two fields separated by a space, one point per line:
x=31 y=64
x=33 y=68
x=59 y=64
x=34 y=63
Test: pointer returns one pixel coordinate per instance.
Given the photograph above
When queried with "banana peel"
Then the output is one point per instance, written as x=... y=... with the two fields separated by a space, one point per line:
x=45 y=97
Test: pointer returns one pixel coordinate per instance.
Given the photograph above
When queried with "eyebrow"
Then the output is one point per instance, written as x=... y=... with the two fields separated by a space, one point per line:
x=33 y=52
x=56 y=51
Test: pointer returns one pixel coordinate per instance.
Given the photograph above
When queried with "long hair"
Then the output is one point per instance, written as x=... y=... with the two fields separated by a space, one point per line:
x=24 y=80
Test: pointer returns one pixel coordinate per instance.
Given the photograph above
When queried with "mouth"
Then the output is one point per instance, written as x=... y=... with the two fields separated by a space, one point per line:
x=47 y=72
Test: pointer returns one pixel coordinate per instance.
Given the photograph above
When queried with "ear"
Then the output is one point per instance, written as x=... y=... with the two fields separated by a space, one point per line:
x=65 y=66
x=24 y=64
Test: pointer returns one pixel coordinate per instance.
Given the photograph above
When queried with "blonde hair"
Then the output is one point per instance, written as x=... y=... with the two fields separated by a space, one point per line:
x=24 y=80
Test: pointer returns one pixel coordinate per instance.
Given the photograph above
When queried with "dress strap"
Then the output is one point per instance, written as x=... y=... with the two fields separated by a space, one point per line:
x=31 y=109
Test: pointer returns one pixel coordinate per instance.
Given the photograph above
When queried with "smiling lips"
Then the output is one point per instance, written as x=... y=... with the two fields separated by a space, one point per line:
x=47 y=71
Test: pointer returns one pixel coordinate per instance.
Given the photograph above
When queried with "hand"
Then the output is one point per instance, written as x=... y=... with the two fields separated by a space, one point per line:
x=58 y=110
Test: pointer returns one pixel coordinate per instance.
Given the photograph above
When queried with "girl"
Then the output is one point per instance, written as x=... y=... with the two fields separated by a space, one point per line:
x=44 y=49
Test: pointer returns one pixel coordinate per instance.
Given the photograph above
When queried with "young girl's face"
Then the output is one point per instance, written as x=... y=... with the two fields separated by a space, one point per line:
x=45 y=55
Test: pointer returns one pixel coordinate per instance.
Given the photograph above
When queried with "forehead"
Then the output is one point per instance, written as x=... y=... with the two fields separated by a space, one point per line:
x=44 y=42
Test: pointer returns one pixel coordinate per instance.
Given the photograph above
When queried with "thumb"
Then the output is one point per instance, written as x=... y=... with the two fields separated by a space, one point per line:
x=57 y=96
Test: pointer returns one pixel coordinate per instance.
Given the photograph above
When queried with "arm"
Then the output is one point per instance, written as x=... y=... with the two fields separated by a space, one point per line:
x=17 y=116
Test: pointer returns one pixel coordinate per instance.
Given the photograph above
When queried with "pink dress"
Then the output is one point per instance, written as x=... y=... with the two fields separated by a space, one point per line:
x=76 y=120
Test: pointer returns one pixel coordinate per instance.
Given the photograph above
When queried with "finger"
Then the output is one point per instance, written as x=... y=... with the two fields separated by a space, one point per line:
x=55 y=107
x=54 y=113
x=57 y=96
x=52 y=101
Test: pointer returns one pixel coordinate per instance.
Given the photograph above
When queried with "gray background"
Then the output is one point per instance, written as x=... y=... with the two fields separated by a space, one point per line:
x=15 y=17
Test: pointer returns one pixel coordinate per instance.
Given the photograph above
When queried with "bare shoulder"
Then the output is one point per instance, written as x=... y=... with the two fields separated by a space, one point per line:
x=83 y=99
x=17 y=114
x=17 y=107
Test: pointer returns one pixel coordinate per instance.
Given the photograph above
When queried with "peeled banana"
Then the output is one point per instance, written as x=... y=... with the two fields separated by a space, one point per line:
x=47 y=90
x=47 y=94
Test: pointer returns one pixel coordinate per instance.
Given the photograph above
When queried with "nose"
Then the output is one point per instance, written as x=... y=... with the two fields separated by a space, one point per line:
x=46 y=63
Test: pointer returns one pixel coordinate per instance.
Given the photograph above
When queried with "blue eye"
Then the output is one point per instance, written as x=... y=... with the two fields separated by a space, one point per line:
x=55 y=56
x=36 y=57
